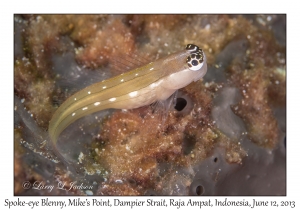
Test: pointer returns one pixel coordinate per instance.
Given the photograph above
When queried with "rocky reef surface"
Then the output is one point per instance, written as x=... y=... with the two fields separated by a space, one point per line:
x=225 y=135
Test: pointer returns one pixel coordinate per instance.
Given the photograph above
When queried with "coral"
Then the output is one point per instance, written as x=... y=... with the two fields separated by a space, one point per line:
x=223 y=129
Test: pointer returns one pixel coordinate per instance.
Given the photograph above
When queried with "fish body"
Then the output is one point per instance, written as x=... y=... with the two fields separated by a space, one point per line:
x=142 y=86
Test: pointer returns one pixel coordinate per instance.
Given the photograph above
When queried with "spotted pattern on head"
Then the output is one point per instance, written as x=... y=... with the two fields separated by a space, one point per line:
x=196 y=57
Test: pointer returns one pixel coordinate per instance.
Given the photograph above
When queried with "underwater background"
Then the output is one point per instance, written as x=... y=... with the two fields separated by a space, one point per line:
x=225 y=136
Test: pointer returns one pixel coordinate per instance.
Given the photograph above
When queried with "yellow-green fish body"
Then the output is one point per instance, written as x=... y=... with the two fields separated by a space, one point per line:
x=155 y=81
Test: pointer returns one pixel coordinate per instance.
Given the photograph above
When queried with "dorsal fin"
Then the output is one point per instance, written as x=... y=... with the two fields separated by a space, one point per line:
x=123 y=63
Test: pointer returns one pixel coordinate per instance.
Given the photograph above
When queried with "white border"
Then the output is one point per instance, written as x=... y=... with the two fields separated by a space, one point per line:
x=153 y=6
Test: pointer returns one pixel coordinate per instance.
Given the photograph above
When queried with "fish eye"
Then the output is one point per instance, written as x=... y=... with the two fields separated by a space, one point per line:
x=192 y=48
x=195 y=60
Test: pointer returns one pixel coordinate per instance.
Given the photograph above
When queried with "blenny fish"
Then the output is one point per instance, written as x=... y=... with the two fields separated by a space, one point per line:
x=144 y=85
